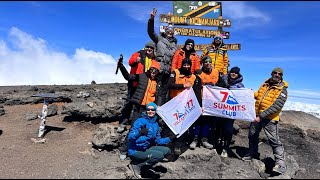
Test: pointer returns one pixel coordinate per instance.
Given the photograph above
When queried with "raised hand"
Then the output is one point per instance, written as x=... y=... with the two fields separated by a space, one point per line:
x=153 y=13
x=143 y=131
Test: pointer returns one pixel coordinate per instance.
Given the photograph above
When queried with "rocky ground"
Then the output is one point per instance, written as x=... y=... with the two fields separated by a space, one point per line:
x=80 y=110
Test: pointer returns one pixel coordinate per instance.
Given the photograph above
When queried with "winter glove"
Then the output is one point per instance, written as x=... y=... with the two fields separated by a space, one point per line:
x=143 y=131
x=198 y=71
x=172 y=137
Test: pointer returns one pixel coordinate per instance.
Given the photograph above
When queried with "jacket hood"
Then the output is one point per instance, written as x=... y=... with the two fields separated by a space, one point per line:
x=235 y=81
x=187 y=42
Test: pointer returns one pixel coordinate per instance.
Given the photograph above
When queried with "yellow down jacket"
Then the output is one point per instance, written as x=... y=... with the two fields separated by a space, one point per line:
x=270 y=99
x=219 y=58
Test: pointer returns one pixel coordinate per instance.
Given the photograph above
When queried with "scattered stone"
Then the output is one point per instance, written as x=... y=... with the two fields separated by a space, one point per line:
x=31 y=116
x=90 y=104
x=83 y=94
x=52 y=110
x=2 y=112
x=42 y=141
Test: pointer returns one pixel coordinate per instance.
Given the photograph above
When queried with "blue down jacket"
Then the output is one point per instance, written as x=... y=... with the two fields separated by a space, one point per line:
x=141 y=143
x=235 y=83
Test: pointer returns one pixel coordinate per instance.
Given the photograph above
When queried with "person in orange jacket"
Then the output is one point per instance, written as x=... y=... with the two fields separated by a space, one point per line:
x=181 y=79
x=219 y=56
x=186 y=52
x=139 y=62
x=145 y=93
x=201 y=128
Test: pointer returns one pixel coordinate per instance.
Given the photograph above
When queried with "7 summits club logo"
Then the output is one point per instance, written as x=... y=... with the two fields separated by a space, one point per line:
x=229 y=105
x=188 y=107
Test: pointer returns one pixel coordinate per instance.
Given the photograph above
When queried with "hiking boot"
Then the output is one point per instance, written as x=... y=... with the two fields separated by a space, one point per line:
x=122 y=157
x=206 y=144
x=121 y=128
x=279 y=169
x=224 y=153
x=249 y=157
x=136 y=170
x=194 y=144
x=177 y=150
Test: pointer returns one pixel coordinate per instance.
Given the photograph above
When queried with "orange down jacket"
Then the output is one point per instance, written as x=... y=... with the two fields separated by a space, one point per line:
x=179 y=55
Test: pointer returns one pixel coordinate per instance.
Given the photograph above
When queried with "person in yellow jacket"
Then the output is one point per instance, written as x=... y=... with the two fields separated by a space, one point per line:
x=219 y=56
x=270 y=100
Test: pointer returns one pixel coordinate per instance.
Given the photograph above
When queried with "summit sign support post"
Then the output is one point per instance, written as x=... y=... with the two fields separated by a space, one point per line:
x=198 y=13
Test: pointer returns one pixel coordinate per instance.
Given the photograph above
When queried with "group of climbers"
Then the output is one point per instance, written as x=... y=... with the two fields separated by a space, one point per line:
x=161 y=71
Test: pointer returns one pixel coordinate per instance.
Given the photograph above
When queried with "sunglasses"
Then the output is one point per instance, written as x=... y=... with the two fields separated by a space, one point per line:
x=279 y=73
x=150 y=109
x=190 y=44
x=149 y=48
x=217 y=39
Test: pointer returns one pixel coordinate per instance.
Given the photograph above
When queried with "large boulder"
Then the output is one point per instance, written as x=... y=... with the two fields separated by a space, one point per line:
x=106 y=135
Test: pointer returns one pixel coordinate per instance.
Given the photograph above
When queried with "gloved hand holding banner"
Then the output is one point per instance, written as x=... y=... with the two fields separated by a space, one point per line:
x=180 y=112
x=236 y=103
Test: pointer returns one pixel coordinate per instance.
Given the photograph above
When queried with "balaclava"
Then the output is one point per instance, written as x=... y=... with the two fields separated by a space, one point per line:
x=184 y=71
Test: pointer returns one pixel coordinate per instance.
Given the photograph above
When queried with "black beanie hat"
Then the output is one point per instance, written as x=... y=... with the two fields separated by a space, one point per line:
x=235 y=70
x=189 y=41
x=186 y=61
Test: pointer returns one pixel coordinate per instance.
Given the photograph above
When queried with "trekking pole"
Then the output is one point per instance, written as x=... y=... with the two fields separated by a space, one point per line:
x=119 y=61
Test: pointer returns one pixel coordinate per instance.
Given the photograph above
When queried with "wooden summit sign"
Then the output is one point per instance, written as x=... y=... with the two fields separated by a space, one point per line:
x=182 y=20
x=201 y=47
x=203 y=9
x=205 y=33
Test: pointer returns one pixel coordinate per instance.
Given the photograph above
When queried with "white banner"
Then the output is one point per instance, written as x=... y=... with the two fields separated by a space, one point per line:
x=236 y=103
x=181 y=112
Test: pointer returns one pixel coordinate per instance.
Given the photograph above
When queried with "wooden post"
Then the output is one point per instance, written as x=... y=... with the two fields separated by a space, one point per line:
x=220 y=17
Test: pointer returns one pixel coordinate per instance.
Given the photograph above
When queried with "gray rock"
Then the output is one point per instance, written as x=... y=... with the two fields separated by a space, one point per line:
x=52 y=110
x=2 y=112
x=106 y=135
x=83 y=94
x=31 y=116
x=100 y=109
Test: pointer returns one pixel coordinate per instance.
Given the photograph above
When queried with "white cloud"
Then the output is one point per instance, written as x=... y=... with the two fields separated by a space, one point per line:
x=244 y=14
x=30 y=61
x=304 y=95
x=313 y=109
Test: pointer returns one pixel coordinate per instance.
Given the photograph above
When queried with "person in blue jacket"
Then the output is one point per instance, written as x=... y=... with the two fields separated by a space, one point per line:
x=234 y=81
x=146 y=147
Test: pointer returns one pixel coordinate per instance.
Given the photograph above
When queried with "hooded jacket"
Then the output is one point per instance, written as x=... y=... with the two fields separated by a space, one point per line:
x=235 y=83
x=146 y=86
x=270 y=99
x=139 y=142
x=138 y=67
x=180 y=54
x=165 y=48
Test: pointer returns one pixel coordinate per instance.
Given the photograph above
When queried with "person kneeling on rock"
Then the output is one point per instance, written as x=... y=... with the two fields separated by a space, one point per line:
x=145 y=147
